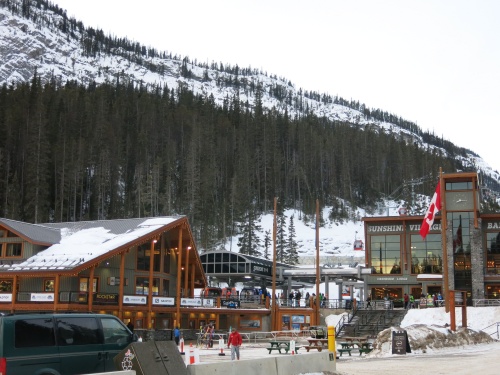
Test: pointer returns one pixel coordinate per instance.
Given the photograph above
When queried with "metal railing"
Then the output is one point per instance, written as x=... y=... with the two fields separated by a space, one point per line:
x=497 y=332
x=485 y=302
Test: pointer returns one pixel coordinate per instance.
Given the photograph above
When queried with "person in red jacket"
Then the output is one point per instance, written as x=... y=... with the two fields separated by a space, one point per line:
x=234 y=341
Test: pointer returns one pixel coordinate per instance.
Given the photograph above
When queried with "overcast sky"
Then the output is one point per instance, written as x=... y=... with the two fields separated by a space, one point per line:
x=433 y=62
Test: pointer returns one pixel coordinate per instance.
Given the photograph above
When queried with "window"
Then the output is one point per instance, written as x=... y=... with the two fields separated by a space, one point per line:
x=84 y=285
x=78 y=331
x=48 y=285
x=386 y=254
x=493 y=253
x=144 y=257
x=142 y=286
x=14 y=249
x=5 y=286
x=31 y=333
x=114 y=331
x=426 y=256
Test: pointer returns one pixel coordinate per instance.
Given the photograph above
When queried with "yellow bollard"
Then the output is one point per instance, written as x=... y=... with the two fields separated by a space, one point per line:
x=331 y=341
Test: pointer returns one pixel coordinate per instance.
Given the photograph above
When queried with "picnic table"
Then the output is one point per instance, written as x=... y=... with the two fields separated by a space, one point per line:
x=281 y=345
x=318 y=344
x=365 y=347
x=346 y=348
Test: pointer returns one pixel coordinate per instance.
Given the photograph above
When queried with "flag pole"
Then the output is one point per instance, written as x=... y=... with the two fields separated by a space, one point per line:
x=317 y=299
x=274 y=310
x=443 y=244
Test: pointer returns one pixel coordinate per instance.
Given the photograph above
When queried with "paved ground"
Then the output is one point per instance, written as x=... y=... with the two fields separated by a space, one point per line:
x=480 y=359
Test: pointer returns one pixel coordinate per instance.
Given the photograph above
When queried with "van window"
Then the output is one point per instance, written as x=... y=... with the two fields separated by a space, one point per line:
x=34 y=332
x=114 y=331
x=77 y=331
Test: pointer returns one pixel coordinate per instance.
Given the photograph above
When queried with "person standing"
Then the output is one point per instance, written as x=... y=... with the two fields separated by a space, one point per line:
x=130 y=326
x=177 y=335
x=406 y=299
x=234 y=341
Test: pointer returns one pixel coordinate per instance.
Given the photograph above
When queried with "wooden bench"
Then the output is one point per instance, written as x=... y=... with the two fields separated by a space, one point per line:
x=309 y=347
x=341 y=351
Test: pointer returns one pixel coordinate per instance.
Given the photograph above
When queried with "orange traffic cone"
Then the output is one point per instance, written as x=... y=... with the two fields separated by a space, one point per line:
x=191 y=354
x=181 y=343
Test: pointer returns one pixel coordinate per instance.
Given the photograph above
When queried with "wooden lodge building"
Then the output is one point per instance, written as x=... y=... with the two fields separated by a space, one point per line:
x=144 y=271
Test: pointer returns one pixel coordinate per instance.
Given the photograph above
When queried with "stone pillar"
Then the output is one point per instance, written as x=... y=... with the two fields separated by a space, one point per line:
x=477 y=261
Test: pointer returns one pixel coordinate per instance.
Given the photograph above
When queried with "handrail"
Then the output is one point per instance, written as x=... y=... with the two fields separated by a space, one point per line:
x=481 y=302
x=497 y=324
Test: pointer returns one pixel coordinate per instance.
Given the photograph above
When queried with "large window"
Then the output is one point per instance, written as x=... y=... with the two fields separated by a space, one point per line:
x=144 y=257
x=462 y=262
x=14 y=249
x=493 y=291
x=386 y=254
x=426 y=256
x=142 y=286
x=493 y=253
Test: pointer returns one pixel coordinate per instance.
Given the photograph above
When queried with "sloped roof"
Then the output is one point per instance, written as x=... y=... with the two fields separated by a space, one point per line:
x=35 y=233
x=81 y=242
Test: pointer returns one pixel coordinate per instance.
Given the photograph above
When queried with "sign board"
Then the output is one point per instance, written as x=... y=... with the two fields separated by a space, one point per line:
x=400 y=343
x=165 y=301
x=139 y=300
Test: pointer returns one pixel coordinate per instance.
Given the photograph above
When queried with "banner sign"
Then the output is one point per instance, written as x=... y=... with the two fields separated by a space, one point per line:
x=42 y=297
x=165 y=301
x=138 y=300
x=5 y=298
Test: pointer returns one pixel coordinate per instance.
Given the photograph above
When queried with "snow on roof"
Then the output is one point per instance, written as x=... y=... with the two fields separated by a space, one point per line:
x=78 y=246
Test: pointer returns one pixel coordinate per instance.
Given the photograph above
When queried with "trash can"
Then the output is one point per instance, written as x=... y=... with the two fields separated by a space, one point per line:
x=151 y=358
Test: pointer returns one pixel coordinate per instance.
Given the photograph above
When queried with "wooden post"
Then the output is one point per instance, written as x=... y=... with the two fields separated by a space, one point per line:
x=179 y=272
x=274 y=320
x=318 y=276
x=122 y=286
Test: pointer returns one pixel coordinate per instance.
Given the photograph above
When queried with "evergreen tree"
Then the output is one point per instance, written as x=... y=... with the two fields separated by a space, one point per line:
x=267 y=244
x=249 y=242
x=292 y=255
x=280 y=234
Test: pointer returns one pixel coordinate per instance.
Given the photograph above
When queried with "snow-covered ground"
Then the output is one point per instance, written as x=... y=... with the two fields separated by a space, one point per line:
x=435 y=349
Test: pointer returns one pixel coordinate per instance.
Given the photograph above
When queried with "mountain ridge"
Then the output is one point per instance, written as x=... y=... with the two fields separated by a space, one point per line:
x=44 y=40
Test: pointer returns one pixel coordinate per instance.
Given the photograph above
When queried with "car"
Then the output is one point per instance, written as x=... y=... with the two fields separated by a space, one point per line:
x=61 y=343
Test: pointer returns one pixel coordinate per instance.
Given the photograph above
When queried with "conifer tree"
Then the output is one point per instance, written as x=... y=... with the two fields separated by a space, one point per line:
x=249 y=242
x=280 y=235
x=267 y=244
x=292 y=256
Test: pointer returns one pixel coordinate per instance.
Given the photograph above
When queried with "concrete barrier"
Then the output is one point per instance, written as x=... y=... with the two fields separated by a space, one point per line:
x=280 y=365
x=127 y=372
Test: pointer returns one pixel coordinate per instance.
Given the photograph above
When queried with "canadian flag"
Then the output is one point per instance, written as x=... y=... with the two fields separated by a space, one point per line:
x=434 y=207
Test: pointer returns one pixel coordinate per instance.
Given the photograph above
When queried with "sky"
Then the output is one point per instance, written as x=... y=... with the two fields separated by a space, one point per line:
x=434 y=63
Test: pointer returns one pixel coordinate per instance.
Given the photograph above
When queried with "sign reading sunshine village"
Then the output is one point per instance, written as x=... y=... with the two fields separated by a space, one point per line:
x=398 y=228
x=260 y=269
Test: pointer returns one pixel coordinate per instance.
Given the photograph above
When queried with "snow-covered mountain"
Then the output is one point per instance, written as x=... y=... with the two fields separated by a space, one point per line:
x=41 y=38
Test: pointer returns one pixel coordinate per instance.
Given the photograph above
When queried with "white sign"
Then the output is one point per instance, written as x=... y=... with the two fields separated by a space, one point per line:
x=191 y=302
x=167 y=301
x=5 y=297
x=208 y=302
x=139 y=300
x=42 y=297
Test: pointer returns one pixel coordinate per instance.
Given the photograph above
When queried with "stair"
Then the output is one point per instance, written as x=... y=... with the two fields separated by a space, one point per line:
x=371 y=322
